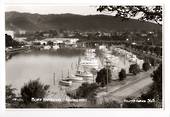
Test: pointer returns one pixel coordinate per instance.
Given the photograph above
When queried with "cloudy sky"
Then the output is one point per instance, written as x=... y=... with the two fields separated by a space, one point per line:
x=83 y=10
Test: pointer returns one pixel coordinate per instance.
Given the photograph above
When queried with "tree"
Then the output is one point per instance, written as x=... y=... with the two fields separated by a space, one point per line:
x=134 y=68
x=11 y=42
x=122 y=74
x=158 y=50
x=143 y=13
x=157 y=85
x=152 y=61
x=104 y=77
x=146 y=66
x=10 y=93
x=33 y=89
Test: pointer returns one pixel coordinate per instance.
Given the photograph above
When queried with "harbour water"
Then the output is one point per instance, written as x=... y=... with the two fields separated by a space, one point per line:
x=46 y=66
x=50 y=67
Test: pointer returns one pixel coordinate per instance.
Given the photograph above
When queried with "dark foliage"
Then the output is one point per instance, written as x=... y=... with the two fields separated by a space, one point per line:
x=122 y=74
x=146 y=66
x=157 y=85
x=10 y=93
x=104 y=77
x=134 y=68
x=152 y=61
x=86 y=90
x=149 y=13
x=10 y=42
x=33 y=89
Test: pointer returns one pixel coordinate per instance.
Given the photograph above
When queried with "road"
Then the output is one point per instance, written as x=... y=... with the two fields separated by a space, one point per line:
x=132 y=88
x=120 y=92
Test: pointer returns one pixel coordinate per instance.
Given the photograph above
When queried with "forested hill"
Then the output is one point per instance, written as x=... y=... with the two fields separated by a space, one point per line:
x=35 y=22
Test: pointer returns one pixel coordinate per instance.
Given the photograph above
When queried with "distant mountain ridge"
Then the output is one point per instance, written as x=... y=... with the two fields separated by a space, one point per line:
x=36 y=22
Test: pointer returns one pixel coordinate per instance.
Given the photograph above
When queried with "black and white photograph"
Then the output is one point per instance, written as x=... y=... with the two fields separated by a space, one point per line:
x=103 y=56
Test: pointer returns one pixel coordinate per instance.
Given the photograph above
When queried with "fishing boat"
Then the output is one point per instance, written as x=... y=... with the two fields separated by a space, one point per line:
x=67 y=81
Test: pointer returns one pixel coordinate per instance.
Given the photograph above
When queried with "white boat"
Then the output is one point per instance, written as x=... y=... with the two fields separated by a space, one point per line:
x=83 y=74
x=65 y=82
x=93 y=63
x=86 y=63
x=75 y=78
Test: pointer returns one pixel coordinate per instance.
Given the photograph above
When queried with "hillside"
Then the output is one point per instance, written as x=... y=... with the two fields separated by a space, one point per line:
x=35 y=22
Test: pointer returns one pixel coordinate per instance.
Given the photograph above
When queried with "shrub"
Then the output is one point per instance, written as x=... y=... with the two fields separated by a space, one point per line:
x=152 y=61
x=122 y=74
x=134 y=68
x=146 y=66
x=10 y=93
x=104 y=77
x=157 y=85
x=33 y=89
x=86 y=90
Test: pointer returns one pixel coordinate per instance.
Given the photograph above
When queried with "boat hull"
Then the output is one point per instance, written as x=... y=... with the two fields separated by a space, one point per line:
x=65 y=83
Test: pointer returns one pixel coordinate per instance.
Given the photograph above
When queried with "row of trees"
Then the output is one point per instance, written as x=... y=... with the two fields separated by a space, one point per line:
x=147 y=48
x=134 y=69
x=104 y=75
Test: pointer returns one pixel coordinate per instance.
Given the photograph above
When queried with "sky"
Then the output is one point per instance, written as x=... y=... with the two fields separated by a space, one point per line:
x=82 y=10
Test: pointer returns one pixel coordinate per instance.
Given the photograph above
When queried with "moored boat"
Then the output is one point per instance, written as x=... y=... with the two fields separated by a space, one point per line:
x=75 y=78
x=83 y=74
x=65 y=82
